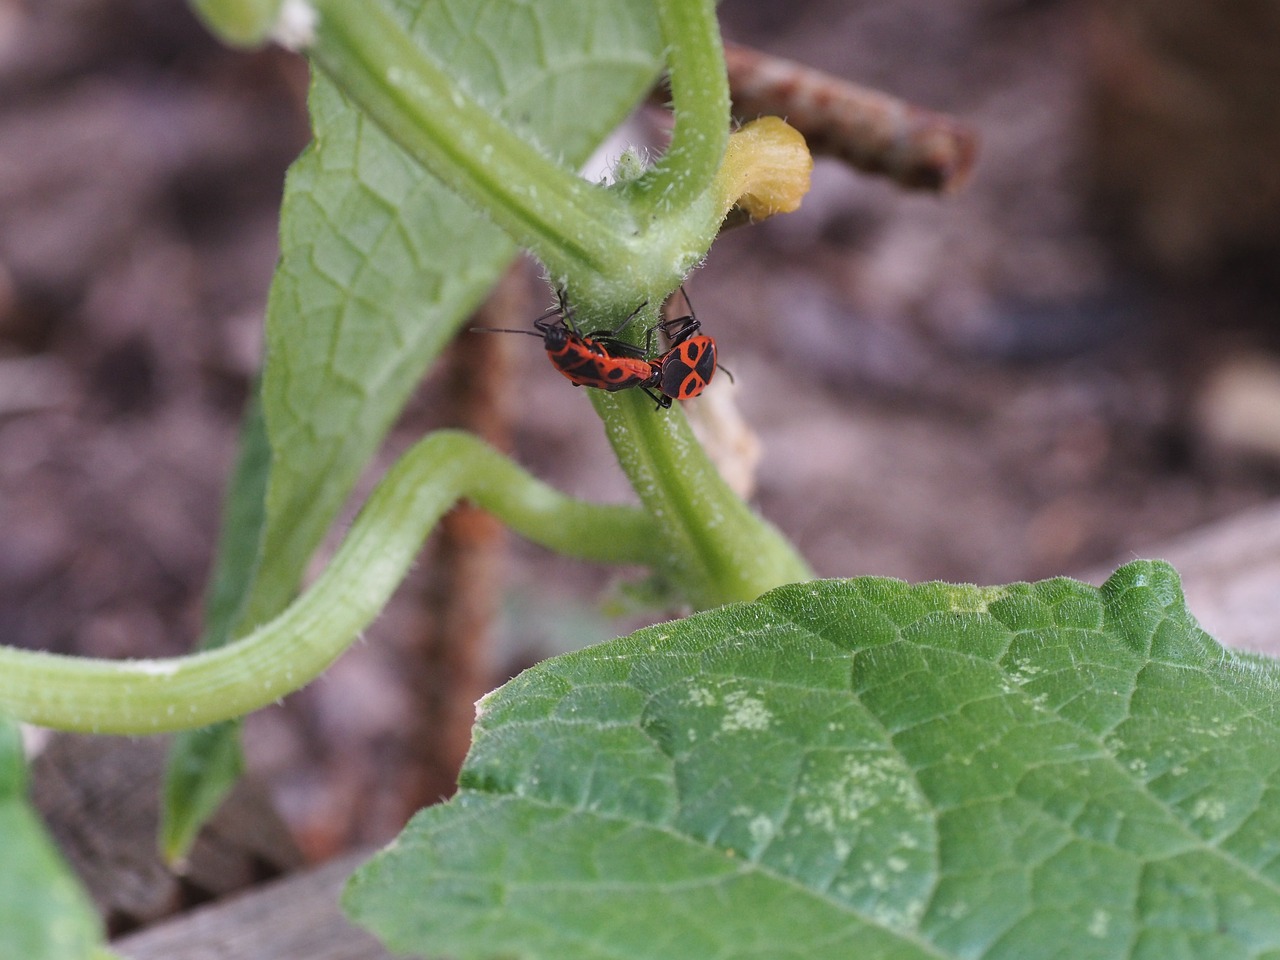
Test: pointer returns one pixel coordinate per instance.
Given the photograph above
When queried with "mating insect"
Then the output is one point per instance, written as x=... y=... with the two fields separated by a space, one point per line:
x=601 y=360
x=687 y=367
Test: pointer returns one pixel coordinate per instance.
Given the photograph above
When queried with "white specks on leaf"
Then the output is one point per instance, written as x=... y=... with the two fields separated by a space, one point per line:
x=876 y=879
x=1099 y=924
x=701 y=697
x=1023 y=670
x=762 y=830
x=1212 y=809
x=744 y=712
x=866 y=784
x=964 y=598
x=956 y=911
x=895 y=918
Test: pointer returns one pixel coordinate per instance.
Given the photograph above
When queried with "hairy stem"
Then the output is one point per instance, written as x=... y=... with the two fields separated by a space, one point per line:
x=717 y=550
x=700 y=100
x=153 y=696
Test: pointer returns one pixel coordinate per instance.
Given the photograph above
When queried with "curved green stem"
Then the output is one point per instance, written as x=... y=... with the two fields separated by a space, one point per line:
x=153 y=696
x=700 y=100
x=718 y=550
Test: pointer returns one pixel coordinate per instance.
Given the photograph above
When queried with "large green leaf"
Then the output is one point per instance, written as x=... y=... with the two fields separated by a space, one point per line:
x=867 y=769
x=44 y=913
x=380 y=265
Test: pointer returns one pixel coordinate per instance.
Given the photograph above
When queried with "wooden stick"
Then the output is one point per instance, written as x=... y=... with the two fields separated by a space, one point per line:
x=869 y=130
x=287 y=920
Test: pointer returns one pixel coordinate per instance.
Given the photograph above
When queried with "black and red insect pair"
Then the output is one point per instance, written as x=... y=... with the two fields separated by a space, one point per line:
x=601 y=360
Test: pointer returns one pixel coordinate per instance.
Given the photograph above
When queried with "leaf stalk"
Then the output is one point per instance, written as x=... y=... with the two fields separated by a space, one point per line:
x=156 y=696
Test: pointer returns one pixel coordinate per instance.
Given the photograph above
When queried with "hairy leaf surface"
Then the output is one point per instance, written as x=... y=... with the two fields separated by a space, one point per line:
x=864 y=768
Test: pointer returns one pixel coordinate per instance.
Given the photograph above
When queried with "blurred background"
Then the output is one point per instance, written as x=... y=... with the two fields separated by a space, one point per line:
x=1059 y=366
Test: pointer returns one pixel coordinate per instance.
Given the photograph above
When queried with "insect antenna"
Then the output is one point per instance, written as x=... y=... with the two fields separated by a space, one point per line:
x=528 y=333
x=538 y=332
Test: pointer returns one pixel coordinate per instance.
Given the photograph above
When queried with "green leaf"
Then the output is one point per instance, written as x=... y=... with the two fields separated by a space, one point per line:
x=204 y=764
x=870 y=769
x=380 y=265
x=13 y=766
x=239 y=540
x=44 y=914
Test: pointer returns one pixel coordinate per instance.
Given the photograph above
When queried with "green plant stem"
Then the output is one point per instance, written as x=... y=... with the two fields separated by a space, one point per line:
x=718 y=550
x=154 y=696
x=615 y=248
x=542 y=205
x=700 y=99
x=238 y=22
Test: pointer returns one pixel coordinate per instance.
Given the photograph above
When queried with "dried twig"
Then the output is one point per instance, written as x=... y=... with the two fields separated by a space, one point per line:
x=869 y=130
